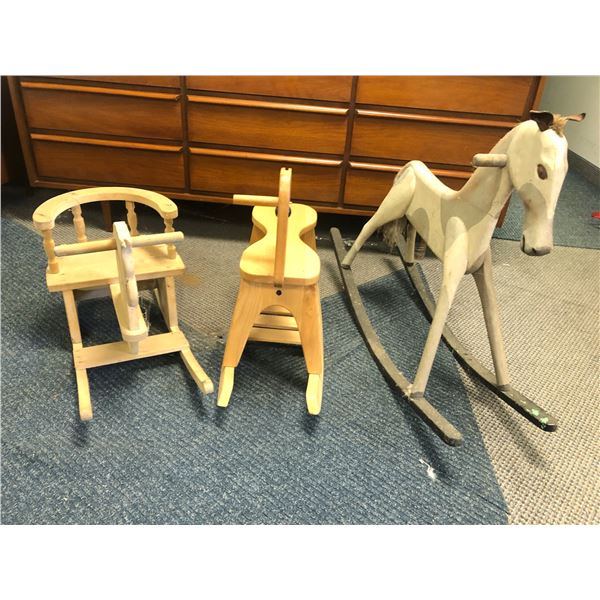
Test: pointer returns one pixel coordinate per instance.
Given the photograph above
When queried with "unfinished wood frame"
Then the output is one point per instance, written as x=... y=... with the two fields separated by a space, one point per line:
x=278 y=299
x=117 y=267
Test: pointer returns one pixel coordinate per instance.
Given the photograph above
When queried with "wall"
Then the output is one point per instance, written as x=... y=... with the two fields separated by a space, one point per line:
x=571 y=95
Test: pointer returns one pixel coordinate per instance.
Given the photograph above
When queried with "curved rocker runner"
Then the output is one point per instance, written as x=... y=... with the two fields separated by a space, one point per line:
x=457 y=226
x=531 y=411
x=443 y=428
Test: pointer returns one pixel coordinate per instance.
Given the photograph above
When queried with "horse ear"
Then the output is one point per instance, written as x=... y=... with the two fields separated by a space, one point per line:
x=580 y=117
x=542 y=118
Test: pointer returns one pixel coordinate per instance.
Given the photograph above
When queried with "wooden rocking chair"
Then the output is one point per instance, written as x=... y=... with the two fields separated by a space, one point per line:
x=278 y=299
x=117 y=267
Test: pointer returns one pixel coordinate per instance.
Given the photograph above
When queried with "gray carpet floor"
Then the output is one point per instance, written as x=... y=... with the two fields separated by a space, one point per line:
x=159 y=452
x=549 y=307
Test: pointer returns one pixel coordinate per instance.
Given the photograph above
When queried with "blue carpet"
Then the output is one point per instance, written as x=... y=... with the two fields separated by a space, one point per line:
x=159 y=452
x=573 y=222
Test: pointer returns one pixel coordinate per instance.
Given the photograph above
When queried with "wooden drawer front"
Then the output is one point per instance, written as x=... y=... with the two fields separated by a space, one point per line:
x=238 y=175
x=103 y=113
x=108 y=164
x=319 y=88
x=171 y=81
x=431 y=142
x=369 y=186
x=487 y=95
x=261 y=127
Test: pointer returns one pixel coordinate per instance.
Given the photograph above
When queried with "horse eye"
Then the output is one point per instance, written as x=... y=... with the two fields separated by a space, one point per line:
x=541 y=171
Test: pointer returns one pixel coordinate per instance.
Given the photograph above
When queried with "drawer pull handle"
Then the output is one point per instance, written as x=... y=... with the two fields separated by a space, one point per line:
x=396 y=168
x=270 y=157
x=110 y=143
x=435 y=119
x=98 y=90
x=327 y=110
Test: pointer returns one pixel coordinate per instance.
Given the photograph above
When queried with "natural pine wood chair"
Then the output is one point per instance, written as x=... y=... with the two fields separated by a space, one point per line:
x=278 y=300
x=117 y=267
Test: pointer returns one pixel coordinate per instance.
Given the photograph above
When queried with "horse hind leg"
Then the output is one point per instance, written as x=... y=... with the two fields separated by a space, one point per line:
x=374 y=223
x=411 y=237
x=393 y=207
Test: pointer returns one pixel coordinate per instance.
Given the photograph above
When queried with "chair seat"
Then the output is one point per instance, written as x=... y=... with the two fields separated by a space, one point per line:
x=97 y=269
x=302 y=264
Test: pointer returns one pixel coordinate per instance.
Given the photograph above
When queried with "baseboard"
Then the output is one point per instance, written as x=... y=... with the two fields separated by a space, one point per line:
x=584 y=167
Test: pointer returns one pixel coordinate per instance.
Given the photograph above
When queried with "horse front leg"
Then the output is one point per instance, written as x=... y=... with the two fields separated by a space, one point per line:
x=454 y=267
x=487 y=294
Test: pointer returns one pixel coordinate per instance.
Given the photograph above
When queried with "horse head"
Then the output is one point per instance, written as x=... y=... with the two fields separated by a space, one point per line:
x=537 y=166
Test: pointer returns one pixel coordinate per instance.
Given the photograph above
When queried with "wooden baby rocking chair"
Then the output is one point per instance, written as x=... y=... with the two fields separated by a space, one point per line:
x=117 y=267
x=278 y=299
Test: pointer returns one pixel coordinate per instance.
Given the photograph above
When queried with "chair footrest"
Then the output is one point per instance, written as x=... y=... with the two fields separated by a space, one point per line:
x=276 y=322
x=115 y=352
x=275 y=325
x=277 y=336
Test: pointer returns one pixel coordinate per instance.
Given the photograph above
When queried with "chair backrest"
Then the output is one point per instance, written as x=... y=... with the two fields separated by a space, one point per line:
x=282 y=203
x=283 y=213
x=45 y=215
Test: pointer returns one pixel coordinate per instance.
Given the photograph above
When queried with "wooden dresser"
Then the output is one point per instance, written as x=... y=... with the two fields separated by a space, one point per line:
x=206 y=138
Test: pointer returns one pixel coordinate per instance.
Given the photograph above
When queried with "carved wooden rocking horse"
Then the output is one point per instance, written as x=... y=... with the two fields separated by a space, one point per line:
x=117 y=267
x=457 y=226
x=278 y=299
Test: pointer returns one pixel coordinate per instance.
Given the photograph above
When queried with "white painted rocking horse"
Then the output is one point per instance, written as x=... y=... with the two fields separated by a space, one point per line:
x=458 y=225
x=114 y=267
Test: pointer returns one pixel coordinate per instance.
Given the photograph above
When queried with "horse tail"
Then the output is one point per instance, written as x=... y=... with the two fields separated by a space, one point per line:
x=392 y=231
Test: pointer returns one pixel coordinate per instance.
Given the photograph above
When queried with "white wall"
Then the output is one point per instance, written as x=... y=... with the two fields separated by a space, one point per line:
x=572 y=95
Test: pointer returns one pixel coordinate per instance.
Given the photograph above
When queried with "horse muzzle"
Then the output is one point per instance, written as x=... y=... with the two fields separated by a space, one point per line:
x=534 y=250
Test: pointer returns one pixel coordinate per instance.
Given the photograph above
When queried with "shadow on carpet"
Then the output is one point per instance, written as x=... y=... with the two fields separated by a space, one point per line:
x=573 y=222
x=158 y=452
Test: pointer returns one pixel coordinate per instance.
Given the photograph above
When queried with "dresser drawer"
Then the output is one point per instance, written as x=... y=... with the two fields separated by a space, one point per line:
x=429 y=139
x=336 y=89
x=171 y=81
x=102 y=111
x=267 y=124
x=487 y=95
x=229 y=172
x=101 y=161
x=367 y=184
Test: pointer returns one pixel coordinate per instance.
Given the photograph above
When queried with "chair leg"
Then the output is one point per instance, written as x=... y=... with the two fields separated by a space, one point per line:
x=310 y=324
x=167 y=301
x=83 y=393
x=83 y=386
x=249 y=303
x=72 y=318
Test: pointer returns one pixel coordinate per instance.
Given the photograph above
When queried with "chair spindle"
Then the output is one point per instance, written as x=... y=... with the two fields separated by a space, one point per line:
x=132 y=218
x=172 y=251
x=49 y=249
x=79 y=223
